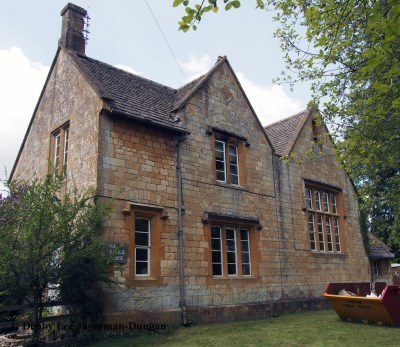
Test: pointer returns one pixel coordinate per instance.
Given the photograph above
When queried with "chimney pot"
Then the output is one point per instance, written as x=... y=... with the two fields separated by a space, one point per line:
x=73 y=23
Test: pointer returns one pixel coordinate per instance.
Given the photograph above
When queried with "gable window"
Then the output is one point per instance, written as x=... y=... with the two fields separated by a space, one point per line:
x=323 y=219
x=226 y=162
x=230 y=251
x=60 y=149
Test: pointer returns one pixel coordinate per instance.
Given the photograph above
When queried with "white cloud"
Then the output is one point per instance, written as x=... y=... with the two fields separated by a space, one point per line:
x=21 y=82
x=270 y=102
x=127 y=69
x=195 y=67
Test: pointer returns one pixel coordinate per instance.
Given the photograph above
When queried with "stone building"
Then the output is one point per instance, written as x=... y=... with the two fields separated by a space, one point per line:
x=380 y=258
x=216 y=225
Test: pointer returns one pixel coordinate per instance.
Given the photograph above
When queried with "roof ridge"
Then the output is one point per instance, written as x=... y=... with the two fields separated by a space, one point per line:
x=285 y=119
x=124 y=71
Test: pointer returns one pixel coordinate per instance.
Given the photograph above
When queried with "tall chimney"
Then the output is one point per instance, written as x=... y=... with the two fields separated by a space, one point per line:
x=73 y=22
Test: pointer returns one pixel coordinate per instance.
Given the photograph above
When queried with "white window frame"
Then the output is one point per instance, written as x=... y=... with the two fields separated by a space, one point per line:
x=320 y=231
x=148 y=247
x=66 y=149
x=245 y=252
x=328 y=227
x=234 y=251
x=217 y=250
x=236 y=156
x=223 y=161
x=311 y=230
x=336 y=228
x=227 y=162
x=325 y=232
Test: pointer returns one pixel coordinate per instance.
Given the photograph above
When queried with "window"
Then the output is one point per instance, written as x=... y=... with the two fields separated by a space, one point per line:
x=145 y=250
x=227 y=162
x=142 y=246
x=230 y=251
x=376 y=268
x=60 y=149
x=323 y=219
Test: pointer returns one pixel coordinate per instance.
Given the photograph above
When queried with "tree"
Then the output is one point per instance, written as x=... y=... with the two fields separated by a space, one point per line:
x=49 y=239
x=350 y=51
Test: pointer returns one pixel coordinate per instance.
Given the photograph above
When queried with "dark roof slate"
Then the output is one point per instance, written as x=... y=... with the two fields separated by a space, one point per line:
x=129 y=94
x=281 y=133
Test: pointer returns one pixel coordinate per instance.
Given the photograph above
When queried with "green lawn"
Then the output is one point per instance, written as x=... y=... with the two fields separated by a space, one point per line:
x=321 y=328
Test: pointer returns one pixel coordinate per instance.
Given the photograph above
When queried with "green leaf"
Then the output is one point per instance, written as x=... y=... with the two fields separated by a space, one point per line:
x=207 y=8
x=194 y=27
x=215 y=9
x=186 y=2
x=176 y=3
x=235 y=3
x=187 y=19
x=228 y=6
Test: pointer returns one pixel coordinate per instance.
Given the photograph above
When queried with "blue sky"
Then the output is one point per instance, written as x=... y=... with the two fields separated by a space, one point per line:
x=124 y=34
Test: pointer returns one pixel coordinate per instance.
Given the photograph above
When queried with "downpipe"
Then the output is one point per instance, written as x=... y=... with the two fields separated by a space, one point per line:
x=180 y=231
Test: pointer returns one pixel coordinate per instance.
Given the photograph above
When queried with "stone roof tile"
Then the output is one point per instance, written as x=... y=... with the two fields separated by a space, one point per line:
x=281 y=133
x=130 y=94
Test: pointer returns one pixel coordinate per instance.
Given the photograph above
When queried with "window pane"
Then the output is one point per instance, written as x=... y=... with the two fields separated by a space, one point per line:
x=230 y=245
x=216 y=250
x=220 y=160
x=321 y=241
x=142 y=268
x=142 y=254
x=231 y=257
x=337 y=233
x=216 y=257
x=311 y=230
x=245 y=257
x=142 y=239
x=326 y=202
x=329 y=233
x=142 y=224
x=231 y=269
x=231 y=251
x=308 y=198
x=230 y=234
x=217 y=269
x=232 y=150
x=215 y=244
x=246 y=269
x=219 y=155
x=333 y=199
x=245 y=246
x=220 y=166
x=235 y=179
x=215 y=232
x=317 y=201
x=233 y=169
x=221 y=176
x=220 y=146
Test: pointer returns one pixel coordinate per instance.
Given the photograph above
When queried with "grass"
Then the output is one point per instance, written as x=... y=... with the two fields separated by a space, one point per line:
x=320 y=328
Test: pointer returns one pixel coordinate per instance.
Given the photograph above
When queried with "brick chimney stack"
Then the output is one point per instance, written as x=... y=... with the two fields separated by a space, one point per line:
x=73 y=22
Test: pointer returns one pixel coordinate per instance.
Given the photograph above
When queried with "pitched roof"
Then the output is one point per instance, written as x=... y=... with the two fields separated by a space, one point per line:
x=129 y=94
x=378 y=249
x=185 y=93
x=283 y=133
